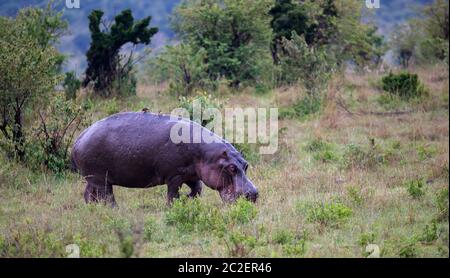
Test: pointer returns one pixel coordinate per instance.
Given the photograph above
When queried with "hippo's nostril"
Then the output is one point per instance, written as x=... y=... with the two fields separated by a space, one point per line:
x=252 y=196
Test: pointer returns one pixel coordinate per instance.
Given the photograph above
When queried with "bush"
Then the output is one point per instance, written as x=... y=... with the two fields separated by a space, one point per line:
x=71 y=85
x=306 y=106
x=239 y=244
x=150 y=229
x=322 y=151
x=441 y=201
x=189 y=215
x=296 y=248
x=355 y=195
x=283 y=237
x=405 y=85
x=416 y=188
x=368 y=156
x=202 y=98
x=55 y=133
x=430 y=233
x=243 y=211
x=332 y=213
x=366 y=239
x=407 y=249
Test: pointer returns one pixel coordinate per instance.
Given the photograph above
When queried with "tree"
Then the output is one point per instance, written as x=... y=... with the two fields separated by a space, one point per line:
x=235 y=34
x=187 y=68
x=28 y=69
x=424 y=38
x=309 y=65
x=404 y=43
x=312 y=19
x=105 y=64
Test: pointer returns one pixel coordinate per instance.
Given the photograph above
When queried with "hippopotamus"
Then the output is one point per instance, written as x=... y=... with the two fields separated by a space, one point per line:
x=135 y=150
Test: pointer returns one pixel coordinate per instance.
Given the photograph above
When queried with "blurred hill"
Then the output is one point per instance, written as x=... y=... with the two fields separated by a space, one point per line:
x=76 y=42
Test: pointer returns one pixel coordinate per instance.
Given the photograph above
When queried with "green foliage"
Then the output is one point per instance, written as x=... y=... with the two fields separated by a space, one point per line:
x=55 y=133
x=430 y=233
x=355 y=195
x=405 y=85
x=425 y=38
x=426 y=152
x=71 y=85
x=366 y=239
x=307 y=106
x=249 y=151
x=407 y=249
x=235 y=35
x=190 y=215
x=184 y=67
x=110 y=72
x=239 y=244
x=205 y=101
x=442 y=204
x=364 y=156
x=150 y=228
x=311 y=66
x=111 y=106
x=283 y=237
x=322 y=151
x=28 y=69
x=296 y=248
x=416 y=188
x=331 y=213
x=243 y=211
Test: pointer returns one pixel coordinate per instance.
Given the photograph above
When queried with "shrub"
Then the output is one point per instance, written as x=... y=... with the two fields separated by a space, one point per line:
x=55 y=134
x=190 y=215
x=239 y=244
x=112 y=107
x=426 y=152
x=359 y=156
x=71 y=85
x=202 y=98
x=150 y=229
x=405 y=85
x=306 y=106
x=416 y=188
x=296 y=248
x=332 y=213
x=407 y=249
x=283 y=237
x=366 y=239
x=355 y=195
x=323 y=151
x=429 y=233
x=243 y=211
x=441 y=201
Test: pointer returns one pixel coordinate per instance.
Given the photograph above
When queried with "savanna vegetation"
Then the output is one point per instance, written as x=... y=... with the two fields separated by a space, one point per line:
x=363 y=153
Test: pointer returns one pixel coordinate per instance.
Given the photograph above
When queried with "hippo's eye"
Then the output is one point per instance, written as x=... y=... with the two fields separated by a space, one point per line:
x=232 y=168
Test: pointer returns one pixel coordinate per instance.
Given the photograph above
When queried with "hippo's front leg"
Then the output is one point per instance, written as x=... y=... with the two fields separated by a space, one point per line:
x=196 y=188
x=173 y=189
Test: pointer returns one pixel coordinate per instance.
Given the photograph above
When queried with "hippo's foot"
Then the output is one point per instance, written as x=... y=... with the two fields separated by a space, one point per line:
x=100 y=194
x=196 y=189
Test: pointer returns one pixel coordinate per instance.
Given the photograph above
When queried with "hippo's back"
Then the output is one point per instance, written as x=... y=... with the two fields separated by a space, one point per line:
x=123 y=149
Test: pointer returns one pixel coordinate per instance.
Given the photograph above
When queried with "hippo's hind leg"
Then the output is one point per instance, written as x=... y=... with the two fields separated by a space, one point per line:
x=99 y=193
x=196 y=188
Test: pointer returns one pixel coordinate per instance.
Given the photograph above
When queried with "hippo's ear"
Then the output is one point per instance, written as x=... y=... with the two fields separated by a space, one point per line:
x=224 y=154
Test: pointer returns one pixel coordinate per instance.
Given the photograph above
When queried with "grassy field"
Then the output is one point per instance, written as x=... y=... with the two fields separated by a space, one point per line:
x=353 y=175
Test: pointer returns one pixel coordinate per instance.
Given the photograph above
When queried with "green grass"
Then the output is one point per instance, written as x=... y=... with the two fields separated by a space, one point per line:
x=331 y=191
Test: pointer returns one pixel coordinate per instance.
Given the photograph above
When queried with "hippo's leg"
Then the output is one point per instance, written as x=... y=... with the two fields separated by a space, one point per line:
x=196 y=188
x=173 y=190
x=97 y=194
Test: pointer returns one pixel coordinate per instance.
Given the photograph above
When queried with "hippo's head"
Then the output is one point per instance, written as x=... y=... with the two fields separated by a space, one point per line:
x=224 y=169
